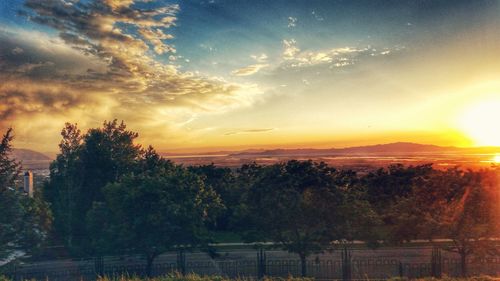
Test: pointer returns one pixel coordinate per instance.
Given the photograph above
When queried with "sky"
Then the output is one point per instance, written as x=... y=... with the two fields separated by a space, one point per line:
x=212 y=74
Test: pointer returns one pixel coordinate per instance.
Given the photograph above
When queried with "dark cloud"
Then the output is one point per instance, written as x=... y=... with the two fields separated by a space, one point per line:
x=19 y=100
x=97 y=29
x=101 y=66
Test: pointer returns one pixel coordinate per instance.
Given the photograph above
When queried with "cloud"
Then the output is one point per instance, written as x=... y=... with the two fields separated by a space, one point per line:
x=316 y=16
x=290 y=49
x=103 y=64
x=249 y=70
x=292 y=22
x=259 y=58
x=23 y=101
x=299 y=69
x=335 y=57
x=248 y=131
x=155 y=36
x=17 y=51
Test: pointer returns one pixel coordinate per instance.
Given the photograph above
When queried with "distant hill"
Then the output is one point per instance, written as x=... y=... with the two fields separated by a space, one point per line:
x=21 y=154
x=31 y=160
x=378 y=149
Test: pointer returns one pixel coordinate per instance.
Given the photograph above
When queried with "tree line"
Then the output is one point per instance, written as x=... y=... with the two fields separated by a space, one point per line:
x=107 y=195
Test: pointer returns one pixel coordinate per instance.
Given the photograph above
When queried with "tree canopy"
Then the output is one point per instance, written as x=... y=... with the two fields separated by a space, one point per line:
x=24 y=221
x=304 y=206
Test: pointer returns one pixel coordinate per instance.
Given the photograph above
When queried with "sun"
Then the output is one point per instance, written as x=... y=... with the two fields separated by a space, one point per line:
x=480 y=122
x=496 y=159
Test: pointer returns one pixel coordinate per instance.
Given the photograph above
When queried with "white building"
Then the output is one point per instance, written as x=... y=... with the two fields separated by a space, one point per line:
x=28 y=183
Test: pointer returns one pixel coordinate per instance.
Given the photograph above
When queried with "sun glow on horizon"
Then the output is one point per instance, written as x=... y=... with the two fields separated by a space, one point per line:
x=496 y=158
x=480 y=123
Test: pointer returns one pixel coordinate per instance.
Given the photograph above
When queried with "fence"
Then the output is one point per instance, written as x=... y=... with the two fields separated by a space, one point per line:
x=343 y=267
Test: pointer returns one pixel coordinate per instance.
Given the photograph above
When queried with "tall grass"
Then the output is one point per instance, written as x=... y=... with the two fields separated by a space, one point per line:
x=445 y=278
x=195 y=277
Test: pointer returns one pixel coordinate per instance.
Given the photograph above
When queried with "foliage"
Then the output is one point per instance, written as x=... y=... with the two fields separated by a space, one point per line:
x=384 y=187
x=85 y=165
x=154 y=212
x=24 y=221
x=455 y=204
x=222 y=181
x=9 y=168
x=305 y=206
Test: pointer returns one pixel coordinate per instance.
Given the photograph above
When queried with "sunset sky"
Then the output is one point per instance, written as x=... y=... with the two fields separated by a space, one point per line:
x=212 y=74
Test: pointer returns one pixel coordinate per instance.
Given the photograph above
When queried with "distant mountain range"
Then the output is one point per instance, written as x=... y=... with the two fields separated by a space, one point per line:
x=397 y=148
x=377 y=149
x=31 y=160
x=21 y=154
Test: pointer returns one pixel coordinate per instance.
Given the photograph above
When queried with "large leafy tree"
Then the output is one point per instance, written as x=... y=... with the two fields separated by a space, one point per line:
x=87 y=163
x=303 y=206
x=454 y=204
x=24 y=221
x=223 y=181
x=151 y=213
x=63 y=189
x=386 y=186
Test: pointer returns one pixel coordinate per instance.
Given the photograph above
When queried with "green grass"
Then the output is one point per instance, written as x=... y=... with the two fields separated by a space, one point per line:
x=227 y=237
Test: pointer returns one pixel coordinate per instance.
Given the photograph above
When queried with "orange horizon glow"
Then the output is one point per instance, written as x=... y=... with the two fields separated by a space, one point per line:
x=480 y=122
x=496 y=158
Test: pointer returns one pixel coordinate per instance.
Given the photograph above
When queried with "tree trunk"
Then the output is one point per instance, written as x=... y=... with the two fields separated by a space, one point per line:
x=303 y=264
x=463 y=263
x=149 y=265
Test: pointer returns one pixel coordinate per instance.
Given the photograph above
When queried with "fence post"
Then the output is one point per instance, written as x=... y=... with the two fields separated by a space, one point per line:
x=261 y=264
x=15 y=271
x=181 y=261
x=436 y=263
x=99 y=266
x=346 y=264
x=401 y=270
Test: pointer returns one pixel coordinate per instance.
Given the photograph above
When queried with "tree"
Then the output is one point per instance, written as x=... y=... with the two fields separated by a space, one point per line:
x=469 y=219
x=386 y=186
x=151 y=213
x=223 y=181
x=85 y=165
x=9 y=168
x=65 y=183
x=454 y=204
x=24 y=221
x=300 y=205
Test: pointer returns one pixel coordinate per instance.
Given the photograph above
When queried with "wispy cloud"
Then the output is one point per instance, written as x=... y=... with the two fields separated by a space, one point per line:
x=292 y=22
x=248 y=131
x=316 y=16
x=336 y=57
x=249 y=70
x=260 y=58
x=290 y=49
